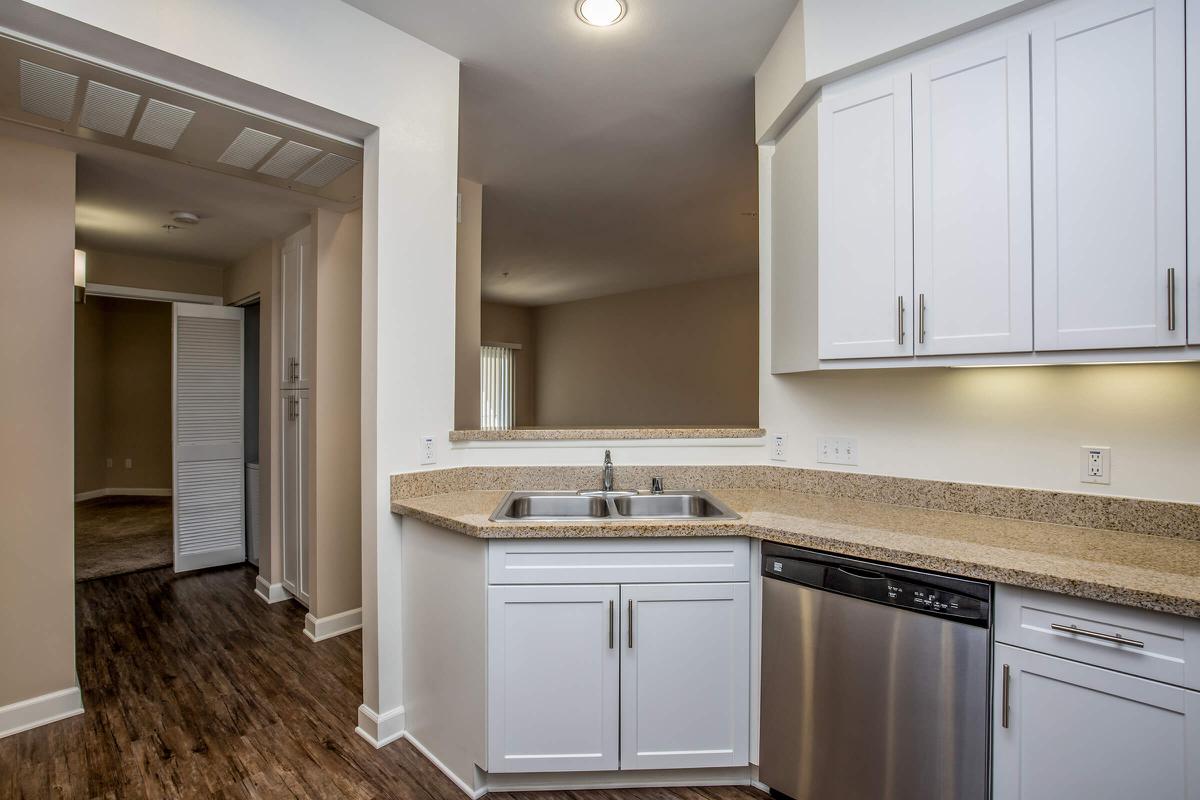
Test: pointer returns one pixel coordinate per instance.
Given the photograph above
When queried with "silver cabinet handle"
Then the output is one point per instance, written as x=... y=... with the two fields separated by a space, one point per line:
x=1004 y=698
x=610 y=624
x=293 y=370
x=631 y=624
x=1104 y=637
x=1171 y=299
x=900 y=319
x=921 y=316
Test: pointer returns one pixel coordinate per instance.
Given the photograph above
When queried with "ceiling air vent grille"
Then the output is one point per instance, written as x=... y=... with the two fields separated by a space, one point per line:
x=288 y=160
x=328 y=167
x=48 y=92
x=249 y=148
x=108 y=109
x=162 y=124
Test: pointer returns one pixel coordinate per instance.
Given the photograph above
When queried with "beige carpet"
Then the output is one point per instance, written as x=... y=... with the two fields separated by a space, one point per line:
x=115 y=535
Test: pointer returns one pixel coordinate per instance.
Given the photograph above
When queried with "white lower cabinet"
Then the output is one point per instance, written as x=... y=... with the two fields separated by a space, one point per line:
x=621 y=675
x=293 y=495
x=685 y=675
x=1070 y=731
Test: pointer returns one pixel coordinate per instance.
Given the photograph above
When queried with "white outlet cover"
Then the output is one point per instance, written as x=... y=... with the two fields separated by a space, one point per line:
x=1095 y=464
x=428 y=450
x=779 y=447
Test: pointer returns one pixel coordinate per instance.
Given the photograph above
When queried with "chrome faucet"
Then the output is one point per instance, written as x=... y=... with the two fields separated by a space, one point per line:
x=656 y=485
x=606 y=477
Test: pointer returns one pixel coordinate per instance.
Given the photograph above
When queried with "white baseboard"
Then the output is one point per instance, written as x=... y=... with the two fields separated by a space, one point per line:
x=120 y=491
x=380 y=729
x=270 y=592
x=474 y=794
x=43 y=710
x=321 y=628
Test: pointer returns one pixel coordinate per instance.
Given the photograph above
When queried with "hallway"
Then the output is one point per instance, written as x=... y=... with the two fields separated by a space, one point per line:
x=116 y=535
x=195 y=688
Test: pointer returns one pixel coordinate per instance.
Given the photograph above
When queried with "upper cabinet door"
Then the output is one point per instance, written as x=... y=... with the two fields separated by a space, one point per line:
x=1108 y=177
x=1193 y=177
x=973 y=202
x=296 y=261
x=865 y=221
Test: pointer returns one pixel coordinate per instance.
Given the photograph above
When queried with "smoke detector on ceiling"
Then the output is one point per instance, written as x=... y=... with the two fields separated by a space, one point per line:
x=185 y=217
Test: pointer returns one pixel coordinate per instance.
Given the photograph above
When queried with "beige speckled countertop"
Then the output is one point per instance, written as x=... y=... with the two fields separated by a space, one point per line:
x=587 y=434
x=1161 y=573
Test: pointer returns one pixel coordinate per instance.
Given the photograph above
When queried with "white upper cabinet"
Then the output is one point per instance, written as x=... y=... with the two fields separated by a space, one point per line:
x=296 y=277
x=1109 y=177
x=972 y=201
x=553 y=678
x=1193 y=177
x=865 y=227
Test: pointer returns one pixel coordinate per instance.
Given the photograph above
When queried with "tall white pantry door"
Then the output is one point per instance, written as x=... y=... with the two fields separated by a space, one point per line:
x=206 y=397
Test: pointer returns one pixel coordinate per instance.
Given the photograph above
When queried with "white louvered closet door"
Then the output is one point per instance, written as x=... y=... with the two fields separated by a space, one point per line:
x=209 y=518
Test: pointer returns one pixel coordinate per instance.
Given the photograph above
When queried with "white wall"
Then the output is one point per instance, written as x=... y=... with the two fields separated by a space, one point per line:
x=327 y=65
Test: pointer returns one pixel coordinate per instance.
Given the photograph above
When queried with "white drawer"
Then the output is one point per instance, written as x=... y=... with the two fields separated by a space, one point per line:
x=664 y=560
x=1161 y=647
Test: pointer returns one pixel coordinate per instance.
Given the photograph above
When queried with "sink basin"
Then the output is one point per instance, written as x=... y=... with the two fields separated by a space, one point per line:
x=552 y=506
x=673 y=505
x=567 y=506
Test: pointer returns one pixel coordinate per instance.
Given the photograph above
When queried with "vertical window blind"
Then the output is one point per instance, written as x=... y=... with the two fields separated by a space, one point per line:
x=497 y=382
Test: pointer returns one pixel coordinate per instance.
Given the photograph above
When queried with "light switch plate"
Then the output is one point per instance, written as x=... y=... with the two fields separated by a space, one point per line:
x=1095 y=464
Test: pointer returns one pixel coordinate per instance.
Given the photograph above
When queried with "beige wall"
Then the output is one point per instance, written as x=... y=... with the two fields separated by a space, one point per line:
x=335 y=443
x=1009 y=426
x=148 y=272
x=501 y=323
x=257 y=274
x=677 y=355
x=122 y=394
x=467 y=290
x=37 y=591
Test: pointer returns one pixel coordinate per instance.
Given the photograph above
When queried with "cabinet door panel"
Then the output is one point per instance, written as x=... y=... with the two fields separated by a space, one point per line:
x=293 y=497
x=1078 y=731
x=296 y=277
x=553 y=678
x=973 y=202
x=1109 y=187
x=685 y=675
x=1193 y=176
x=865 y=221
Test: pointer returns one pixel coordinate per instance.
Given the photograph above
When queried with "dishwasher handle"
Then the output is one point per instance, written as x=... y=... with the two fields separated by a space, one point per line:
x=865 y=574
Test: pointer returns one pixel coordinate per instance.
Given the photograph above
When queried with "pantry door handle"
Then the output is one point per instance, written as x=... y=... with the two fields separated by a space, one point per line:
x=1171 y=299
x=1104 y=637
x=1004 y=698
x=631 y=624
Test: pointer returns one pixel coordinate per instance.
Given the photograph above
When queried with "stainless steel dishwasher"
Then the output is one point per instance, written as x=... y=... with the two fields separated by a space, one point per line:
x=875 y=680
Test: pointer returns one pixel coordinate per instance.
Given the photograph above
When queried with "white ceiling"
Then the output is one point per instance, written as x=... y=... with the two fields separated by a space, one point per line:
x=612 y=158
x=123 y=198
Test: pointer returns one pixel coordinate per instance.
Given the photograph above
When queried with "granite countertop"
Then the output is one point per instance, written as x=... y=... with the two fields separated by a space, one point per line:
x=1155 y=572
x=601 y=433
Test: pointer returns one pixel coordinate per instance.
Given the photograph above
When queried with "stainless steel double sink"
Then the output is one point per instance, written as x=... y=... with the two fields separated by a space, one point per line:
x=565 y=506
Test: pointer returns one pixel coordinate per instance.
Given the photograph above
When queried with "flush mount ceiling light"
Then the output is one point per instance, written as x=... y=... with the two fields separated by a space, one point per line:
x=600 y=13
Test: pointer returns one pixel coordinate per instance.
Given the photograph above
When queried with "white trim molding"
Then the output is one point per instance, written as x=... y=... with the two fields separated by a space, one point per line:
x=625 y=779
x=270 y=592
x=42 y=710
x=380 y=729
x=474 y=794
x=321 y=628
x=121 y=491
x=137 y=293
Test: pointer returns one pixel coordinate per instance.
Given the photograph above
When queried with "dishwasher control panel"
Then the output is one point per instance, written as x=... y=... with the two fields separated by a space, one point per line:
x=957 y=598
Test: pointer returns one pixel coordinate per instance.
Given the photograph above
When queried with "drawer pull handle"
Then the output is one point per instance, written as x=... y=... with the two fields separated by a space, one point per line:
x=630 y=624
x=1105 y=637
x=1004 y=699
x=610 y=624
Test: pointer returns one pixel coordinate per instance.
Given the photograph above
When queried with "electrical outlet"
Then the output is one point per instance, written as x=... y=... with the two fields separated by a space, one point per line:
x=428 y=450
x=108 y=463
x=837 y=450
x=779 y=447
x=1095 y=464
x=129 y=463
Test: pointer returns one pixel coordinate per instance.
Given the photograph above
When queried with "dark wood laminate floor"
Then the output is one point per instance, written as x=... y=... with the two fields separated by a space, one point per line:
x=196 y=688
x=115 y=535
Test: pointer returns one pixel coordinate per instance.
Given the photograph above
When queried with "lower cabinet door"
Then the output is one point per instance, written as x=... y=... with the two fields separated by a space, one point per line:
x=685 y=675
x=1077 y=732
x=553 y=678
